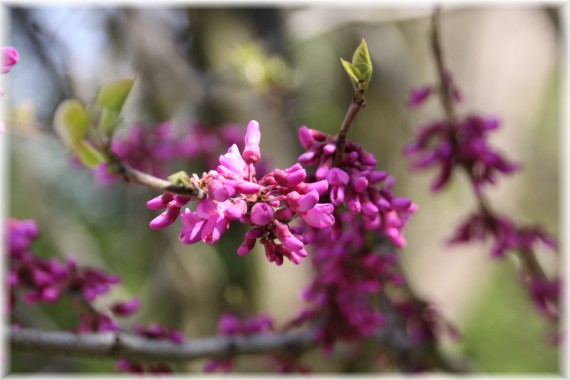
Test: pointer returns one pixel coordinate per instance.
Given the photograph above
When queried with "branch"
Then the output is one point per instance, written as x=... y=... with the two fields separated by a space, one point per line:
x=123 y=345
x=445 y=87
x=527 y=257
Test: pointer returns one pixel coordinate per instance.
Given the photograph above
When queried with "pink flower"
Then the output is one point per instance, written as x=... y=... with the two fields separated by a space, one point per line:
x=251 y=152
x=10 y=57
x=261 y=214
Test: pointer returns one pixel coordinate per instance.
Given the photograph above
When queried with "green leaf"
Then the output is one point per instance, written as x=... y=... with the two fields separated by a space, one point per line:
x=108 y=122
x=88 y=155
x=351 y=71
x=361 y=61
x=360 y=69
x=112 y=95
x=71 y=123
x=179 y=179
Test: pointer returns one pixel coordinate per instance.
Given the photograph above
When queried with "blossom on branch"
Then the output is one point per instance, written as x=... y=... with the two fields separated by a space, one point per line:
x=268 y=205
x=462 y=145
x=355 y=183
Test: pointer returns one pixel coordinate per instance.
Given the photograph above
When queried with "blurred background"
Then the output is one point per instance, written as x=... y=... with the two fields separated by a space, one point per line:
x=281 y=67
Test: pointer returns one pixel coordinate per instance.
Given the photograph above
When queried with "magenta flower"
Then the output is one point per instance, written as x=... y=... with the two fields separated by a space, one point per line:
x=356 y=184
x=348 y=274
x=251 y=153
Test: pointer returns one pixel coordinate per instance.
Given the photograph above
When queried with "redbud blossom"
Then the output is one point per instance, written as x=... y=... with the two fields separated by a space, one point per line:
x=268 y=204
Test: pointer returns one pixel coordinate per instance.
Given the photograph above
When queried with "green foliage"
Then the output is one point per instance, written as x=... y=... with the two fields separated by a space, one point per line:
x=351 y=71
x=74 y=124
x=71 y=123
x=109 y=101
x=112 y=95
x=506 y=334
x=88 y=155
x=360 y=69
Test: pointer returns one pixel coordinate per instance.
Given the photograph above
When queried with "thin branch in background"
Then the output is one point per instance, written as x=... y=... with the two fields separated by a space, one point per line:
x=527 y=256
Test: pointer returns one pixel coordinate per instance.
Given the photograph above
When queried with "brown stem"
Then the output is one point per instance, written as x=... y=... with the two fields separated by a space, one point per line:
x=445 y=89
x=355 y=106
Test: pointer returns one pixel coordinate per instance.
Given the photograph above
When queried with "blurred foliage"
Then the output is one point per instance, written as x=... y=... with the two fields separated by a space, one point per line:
x=504 y=334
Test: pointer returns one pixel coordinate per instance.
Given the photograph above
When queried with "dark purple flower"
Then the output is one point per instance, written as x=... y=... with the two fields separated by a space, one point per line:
x=96 y=322
x=418 y=96
x=503 y=232
x=125 y=308
x=21 y=234
x=232 y=325
x=463 y=145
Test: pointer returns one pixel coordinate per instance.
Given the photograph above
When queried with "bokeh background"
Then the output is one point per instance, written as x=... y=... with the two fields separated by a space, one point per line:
x=280 y=66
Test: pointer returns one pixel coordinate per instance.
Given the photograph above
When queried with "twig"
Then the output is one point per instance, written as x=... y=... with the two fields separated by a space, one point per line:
x=445 y=89
x=133 y=175
x=355 y=106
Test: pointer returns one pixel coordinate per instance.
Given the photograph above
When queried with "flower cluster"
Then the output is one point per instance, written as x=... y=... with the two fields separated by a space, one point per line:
x=153 y=150
x=154 y=332
x=269 y=204
x=507 y=236
x=47 y=280
x=9 y=58
x=348 y=275
x=355 y=183
x=231 y=325
x=450 y=144
x=505 y=233
x=350 y=268
x=462 y=145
